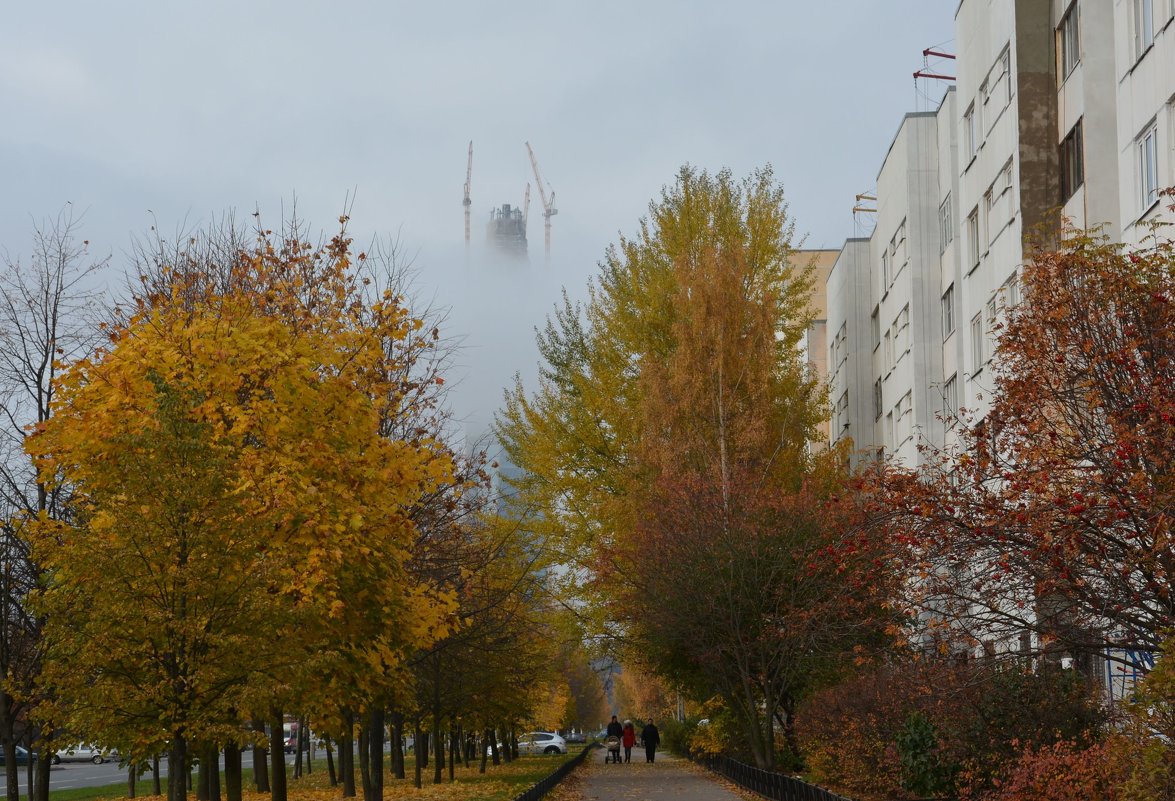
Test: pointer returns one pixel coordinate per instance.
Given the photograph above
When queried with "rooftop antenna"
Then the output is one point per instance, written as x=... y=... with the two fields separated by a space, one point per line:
x=862 y=207
x=549 y=209
x=925 y=71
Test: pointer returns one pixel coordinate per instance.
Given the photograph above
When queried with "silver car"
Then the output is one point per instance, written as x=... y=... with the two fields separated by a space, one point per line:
x=84 y=753
x=541 y=742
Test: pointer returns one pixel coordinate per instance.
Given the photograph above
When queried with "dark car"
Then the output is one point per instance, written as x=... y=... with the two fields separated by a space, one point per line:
x=22 y=756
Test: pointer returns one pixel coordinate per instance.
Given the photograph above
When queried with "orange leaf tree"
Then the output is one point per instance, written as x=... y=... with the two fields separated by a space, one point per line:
x=1055 y=514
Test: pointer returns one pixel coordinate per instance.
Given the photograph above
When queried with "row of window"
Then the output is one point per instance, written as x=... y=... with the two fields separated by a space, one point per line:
x=1146 y=16
x=894 y=258
x=995 y=92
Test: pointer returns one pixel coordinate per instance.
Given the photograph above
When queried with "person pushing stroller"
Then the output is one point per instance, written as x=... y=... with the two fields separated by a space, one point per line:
x=614 y=734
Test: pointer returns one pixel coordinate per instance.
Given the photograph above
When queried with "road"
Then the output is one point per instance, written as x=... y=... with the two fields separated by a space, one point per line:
x=71 y=775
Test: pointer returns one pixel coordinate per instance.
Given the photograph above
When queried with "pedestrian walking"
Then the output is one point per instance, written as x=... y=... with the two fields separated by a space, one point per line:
x=628 y=739
x=651 y=738
x=614 y=734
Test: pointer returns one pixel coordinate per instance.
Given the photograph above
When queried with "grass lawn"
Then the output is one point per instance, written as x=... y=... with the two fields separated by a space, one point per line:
x=502 y=783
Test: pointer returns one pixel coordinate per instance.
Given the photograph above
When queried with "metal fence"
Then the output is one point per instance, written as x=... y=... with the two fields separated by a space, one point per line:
x=775 y=786
x=548 y=784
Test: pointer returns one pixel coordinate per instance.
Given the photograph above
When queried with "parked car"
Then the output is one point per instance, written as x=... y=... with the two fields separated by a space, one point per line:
x=541 y=742
x=86 y=752
x=576 y=737
x=22 y=756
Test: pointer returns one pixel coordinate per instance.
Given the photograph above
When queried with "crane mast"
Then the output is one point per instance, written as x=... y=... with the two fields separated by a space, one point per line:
x=467 y=202
x=547 y=195
x=526 y=206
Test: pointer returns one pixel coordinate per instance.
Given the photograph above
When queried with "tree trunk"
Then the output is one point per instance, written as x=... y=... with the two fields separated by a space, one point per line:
x=42 y=771
x=298 y=751
x=365 y=759
x=438 y=765
x=417 y=740
x=11 y=769
x=330 y=764
x=454 y=745
x=202 y=792
x=156 y=784
x=398 y=745
x=305 y=729
x=347 y=756
x=131 y=775
x=375 y=745
x=485 y=749
x=277 y=758
x=213 y=756
x=260 y=760
x=423 y=749
x=177 y=769
x=233 y=781
x=30 y=774
x=493 y=733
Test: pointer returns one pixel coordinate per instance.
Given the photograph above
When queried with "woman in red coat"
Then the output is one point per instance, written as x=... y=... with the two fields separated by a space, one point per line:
x=628 y=740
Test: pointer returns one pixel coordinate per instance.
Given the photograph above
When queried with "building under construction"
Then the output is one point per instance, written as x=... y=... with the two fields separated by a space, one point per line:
x=507 y=230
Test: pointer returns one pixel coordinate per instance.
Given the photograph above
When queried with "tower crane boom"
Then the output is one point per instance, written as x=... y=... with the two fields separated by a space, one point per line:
x=466 y=202
x=547 y=195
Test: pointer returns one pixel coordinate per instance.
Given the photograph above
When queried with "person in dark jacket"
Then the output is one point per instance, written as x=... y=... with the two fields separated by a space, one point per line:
x=617 y=731
x=651 y=738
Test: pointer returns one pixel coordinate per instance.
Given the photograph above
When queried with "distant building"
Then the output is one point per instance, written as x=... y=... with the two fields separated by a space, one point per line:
x=506 y=231
x=815 y=341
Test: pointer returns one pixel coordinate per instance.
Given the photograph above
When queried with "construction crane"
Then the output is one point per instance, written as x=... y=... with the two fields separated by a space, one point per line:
x=466 y=202
x=526 y=206
x=548 y=197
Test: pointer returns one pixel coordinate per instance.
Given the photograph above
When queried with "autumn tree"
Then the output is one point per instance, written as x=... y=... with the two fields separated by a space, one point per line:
x=668 y=439
x=577 y=437
x=243 y=521
x=1054 y=514
x=45 y=303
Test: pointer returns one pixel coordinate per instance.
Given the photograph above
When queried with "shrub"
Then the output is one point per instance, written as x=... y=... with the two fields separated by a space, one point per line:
x=1063 y=771
x=924 y=771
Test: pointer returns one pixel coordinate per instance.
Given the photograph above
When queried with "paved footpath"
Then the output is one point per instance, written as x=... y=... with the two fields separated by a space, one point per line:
x=668 y=779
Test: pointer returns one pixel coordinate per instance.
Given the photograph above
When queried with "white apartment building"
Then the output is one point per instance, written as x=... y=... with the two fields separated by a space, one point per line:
x=1144 y=77
x=884 y=298
x=1008 y=165
x=1062 y=108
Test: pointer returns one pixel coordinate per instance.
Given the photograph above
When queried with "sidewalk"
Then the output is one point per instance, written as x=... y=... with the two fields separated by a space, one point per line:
x=668 y=779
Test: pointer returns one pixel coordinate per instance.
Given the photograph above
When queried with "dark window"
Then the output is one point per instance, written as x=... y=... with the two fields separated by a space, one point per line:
x=1072 y=163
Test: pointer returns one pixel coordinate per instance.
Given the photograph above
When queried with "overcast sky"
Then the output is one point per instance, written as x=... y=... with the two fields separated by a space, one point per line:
x=176 y=112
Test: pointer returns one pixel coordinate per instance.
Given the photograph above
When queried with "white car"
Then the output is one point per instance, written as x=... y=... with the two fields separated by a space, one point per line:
x=84 y=753
x=537 y=742
x=541 y=742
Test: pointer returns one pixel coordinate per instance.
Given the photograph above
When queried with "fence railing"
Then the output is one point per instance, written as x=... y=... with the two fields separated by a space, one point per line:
x=546 y=785
x=775 y=786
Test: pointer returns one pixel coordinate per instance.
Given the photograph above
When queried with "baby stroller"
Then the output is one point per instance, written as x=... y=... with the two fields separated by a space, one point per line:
x=613 y=745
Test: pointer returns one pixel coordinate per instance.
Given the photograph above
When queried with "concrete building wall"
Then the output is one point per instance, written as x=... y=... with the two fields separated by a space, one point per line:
x=906 y=283
x=851 y=352
x=950 y=249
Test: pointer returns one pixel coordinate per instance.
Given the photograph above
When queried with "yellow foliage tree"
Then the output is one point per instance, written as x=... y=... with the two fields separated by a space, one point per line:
x=241 y=523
